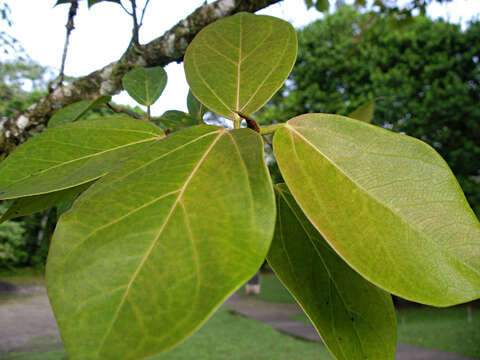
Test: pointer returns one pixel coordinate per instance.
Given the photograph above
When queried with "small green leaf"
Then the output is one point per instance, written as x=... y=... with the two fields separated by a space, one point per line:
x=174 y=120
x=322 y=5
x=32 y=204
x=364 y=112
x=145 y=85
x=75 y=111
x=309 y=3
x=355 y=319
x=72 y=154
x=387 y=203
x=93 y=2
x=142 y=259
x=195 y=107
x=236 y=64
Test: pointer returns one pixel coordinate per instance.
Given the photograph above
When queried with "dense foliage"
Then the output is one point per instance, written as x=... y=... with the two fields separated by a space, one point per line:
x=425 y=77
x=22 y=83
x=24 y=241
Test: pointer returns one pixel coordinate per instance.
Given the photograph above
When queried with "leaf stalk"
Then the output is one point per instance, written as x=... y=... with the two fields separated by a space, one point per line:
x=269 y=129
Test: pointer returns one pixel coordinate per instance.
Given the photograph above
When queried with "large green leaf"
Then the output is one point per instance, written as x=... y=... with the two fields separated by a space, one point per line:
x=364 y=112
x=195 y=107
x=145 y=85
x=32 y=204
x=387 y=203
x=355 y=319
x=238 y=63
x=72 y=154
x=146 y=255
x=75 y=111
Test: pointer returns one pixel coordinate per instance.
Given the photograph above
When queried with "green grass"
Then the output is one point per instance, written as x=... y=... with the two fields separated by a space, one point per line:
x=226 y=337
x=272 y=290
x=440 y=329
x=23 y=276
x=48 y=355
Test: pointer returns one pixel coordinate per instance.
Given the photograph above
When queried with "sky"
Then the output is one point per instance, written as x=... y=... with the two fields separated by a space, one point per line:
x=102 y=34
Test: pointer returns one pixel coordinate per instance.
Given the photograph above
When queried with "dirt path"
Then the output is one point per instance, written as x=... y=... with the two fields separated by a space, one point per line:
x=27 y=322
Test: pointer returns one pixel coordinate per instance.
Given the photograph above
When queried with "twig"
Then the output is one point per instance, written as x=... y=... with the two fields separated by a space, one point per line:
x=125 y=9
x=121 y=110
x=70 y=26
x=143 y=14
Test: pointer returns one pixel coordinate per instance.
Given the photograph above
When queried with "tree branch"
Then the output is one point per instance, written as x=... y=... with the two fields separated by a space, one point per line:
x=167 y=48
x=122 y=110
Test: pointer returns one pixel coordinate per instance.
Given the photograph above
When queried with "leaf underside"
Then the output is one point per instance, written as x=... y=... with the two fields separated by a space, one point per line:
x=153 y=248
x=75 y=111
x=72 y=154
x=238 y=63
x=32 y=204
x=387 y=203
x=355 y=319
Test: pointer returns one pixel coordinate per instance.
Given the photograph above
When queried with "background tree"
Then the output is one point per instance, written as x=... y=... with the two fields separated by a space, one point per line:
x=425 y=77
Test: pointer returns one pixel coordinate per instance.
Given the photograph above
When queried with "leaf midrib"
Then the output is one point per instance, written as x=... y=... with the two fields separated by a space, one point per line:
x=157 y=237
x=374 y=198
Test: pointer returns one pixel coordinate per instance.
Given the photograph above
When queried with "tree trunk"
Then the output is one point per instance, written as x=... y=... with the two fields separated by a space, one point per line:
x=253 y=285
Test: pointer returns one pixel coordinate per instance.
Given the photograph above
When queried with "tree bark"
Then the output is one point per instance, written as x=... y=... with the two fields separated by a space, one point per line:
x=167 y=48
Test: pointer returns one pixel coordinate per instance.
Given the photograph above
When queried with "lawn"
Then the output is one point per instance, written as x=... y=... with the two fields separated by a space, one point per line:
x=27 y=276
x=226 y=337
x=440 y=329
x=272 y=290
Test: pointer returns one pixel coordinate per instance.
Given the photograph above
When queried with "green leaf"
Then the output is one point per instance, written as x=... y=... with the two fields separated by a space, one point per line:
x=195 y=107
x=93 y=2
x=72 y=154
x=355 y=319
x=387 y=203
x=238 y=63
x=32 y=204
x=322 y=5
x=174 y=120
x=75 y=111
x=143 y=259
x=309 y=3
x=64 y=206
x=145 y=85
x=364 y=112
